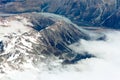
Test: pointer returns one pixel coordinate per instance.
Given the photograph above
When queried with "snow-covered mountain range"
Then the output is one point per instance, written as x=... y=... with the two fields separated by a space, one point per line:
x=34 y=37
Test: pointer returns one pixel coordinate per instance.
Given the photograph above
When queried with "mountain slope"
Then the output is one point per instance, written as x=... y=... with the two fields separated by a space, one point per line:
x=82 y=12
x=37 y=37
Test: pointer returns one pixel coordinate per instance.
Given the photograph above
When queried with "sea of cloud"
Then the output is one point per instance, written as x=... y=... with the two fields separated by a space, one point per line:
x=105 y=66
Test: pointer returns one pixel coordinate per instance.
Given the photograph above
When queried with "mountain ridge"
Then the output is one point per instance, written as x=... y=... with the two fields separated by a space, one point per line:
x=104 y=13
x=40 y=36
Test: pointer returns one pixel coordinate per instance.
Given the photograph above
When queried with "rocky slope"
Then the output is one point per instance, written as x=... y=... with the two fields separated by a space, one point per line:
x=82 y=12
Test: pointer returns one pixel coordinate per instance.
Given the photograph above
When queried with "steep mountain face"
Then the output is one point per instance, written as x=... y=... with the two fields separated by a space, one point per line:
x=82 y=12
x=37 y=37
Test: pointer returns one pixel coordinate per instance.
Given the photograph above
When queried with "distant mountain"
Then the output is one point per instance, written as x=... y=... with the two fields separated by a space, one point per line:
x=82 y=12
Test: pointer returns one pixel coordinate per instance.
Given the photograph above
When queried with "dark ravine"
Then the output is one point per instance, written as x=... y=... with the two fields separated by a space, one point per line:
x=1 y=46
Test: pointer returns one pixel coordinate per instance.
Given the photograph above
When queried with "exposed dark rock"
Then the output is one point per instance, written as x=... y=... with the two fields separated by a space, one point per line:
x=1 y=47
x=42 y=23
x=77 y=57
